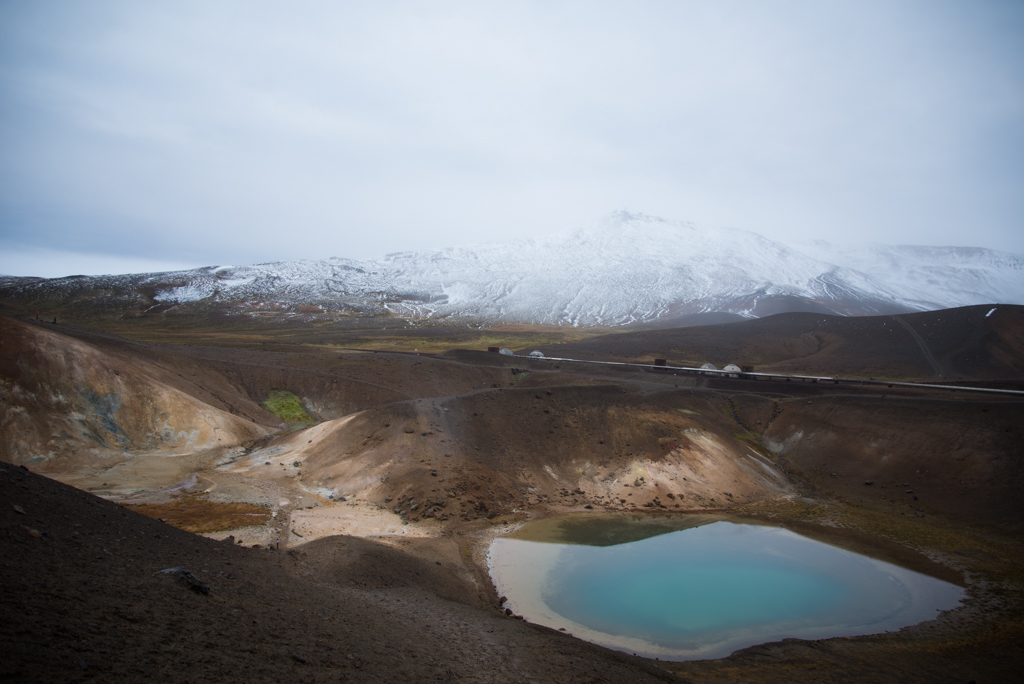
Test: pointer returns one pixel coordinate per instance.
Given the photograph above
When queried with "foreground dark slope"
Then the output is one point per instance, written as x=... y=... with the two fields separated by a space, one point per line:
x=82 y=601
x=953 y=344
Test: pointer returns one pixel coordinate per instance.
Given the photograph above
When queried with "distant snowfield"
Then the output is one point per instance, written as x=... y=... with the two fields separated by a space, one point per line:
x=630 y=269
x=952 y=276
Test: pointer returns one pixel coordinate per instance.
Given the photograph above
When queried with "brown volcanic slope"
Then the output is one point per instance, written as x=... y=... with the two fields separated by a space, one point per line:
x=433 y=455
x=493 y=452
x=963 y=343
x=949 y=457
x=73 y=396
x=596 y=438
x=67 y=403
x=93 y=409
x=82 y=601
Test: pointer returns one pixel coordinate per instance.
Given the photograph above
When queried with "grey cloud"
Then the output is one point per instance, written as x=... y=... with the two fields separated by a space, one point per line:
x=248 y=131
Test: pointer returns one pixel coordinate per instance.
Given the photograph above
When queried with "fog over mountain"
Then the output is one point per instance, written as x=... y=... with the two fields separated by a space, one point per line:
x=629 y=269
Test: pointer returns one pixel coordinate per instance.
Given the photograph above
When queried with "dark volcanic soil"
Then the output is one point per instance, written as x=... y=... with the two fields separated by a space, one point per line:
x=935 y=455
x=954 y=344
x=83 y=600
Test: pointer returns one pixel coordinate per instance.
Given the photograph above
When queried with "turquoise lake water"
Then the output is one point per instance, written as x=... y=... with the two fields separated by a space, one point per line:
x=704 y=591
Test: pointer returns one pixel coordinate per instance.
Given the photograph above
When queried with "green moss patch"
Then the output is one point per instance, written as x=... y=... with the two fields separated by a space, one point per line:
x=287 y=407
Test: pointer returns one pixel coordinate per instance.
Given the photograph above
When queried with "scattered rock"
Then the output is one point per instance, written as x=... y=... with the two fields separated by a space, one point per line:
x=181 y=574
x=298 y=658
x=18 y=509
x=869 y=482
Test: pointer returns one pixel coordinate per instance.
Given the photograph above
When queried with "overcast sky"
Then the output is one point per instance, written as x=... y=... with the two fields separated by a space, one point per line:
x=148 y=135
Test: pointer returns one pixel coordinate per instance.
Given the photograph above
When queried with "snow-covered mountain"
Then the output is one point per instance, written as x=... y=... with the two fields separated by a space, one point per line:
x=630 y=269
x=952 y=276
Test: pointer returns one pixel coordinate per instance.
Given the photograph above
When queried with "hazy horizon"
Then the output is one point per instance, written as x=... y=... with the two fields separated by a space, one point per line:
x=55 y=264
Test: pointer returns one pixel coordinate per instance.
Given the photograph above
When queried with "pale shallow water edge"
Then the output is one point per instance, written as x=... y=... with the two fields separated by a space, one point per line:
x=707 y=591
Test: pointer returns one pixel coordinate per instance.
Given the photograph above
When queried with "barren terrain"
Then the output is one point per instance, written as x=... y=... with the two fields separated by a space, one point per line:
x=362 y=555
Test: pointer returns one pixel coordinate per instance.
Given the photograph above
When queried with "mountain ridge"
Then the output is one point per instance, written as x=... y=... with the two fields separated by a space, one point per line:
x=631 y=269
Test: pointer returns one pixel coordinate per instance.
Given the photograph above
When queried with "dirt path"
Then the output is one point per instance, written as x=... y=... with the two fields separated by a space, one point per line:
x=936 y=367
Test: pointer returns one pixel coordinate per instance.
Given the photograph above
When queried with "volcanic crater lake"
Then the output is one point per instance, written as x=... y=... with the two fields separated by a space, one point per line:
x=697 y=587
